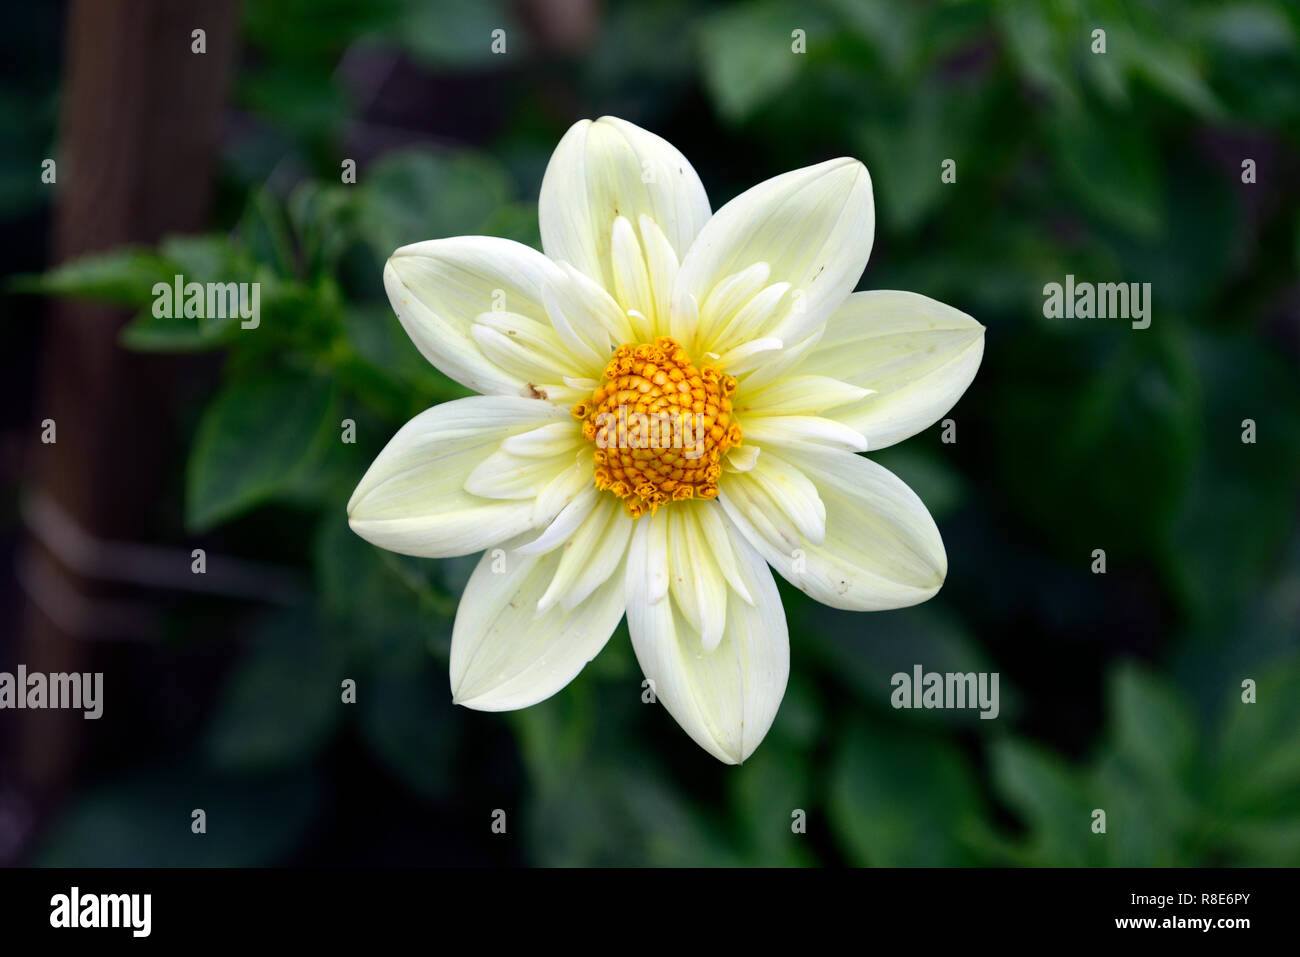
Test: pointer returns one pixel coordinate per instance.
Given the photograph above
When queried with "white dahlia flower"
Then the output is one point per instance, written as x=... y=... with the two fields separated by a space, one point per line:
x=672 y=400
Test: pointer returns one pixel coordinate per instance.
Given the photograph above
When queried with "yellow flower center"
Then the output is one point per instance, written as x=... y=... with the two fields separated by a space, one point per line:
x=660 y=426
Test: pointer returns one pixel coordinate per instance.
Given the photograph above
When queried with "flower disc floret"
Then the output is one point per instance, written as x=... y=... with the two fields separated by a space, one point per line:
x=660 y=426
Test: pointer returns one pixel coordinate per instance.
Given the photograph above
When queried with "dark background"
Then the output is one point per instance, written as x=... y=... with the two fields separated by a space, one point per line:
x=1120 y=691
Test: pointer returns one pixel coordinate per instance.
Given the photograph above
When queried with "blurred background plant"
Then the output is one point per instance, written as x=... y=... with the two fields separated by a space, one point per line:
x=1121 y=691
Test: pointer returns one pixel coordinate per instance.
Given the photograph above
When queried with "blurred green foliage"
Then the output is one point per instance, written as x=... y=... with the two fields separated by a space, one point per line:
x=1123 y=166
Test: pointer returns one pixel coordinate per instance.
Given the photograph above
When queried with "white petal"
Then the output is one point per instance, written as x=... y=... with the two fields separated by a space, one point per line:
x=753 y=318
x=438 y=288
x=526 y=470
x=724 y=699
x=570 y=519
x=882 y=549
x=813 y=226
x=741 y=458
x=805 y=433
x=590 y=555
x=632 y=286
x=527 y=349
x=695 y=579
x=585 y=338
x=662 y=264
x=607 y=169
x=798 y=395
x=655 y=563
x=776 y=365
x=719 y=540
x=412 y=499
x=727 y=298
x=504 y=654
x=591 y=296
x=779 y=498
x=918 y=354
x=728 y=295
x=545 y=442
x=562 y=489
x=684 y=320
x=744 y=357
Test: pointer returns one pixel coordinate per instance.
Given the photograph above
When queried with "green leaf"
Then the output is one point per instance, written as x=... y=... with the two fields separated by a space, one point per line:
x=206 y=259
x=384 y=608
x=1250 y=30
x=196 y=259
x=282 y=701
x=865 y=654
x=892 y=29
x=1052 y=800
x=300 y=99
x=620 y=816
x=145 y=820
x=410 y=724
x=150 y=333
x=124 y=277
x=517 y=221
x=314 y=31
x=323 y=218
x=798 y=723
x=386 y=369
x=588 y=805
x=264 y=230
x=902 y=799
x=1151 y=724
x=746 y=58
x=253 y=439
x=770 y=793
x=1242 y=501
x=1113 y=403
x=1150 y=818
x=458 y=32
x=1112 y=167
x=1274 y=843
x=412 y=196
x=1038 y=48
x=1173 y=72
x=905 y=148
x=1258 y=755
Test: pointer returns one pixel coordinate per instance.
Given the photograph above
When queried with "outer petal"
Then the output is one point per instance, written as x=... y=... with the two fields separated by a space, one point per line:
x=607 y=169
x=439 y=287
x=916 y=353
x=412 y=499
x=882 y=549
x=724 y=699
x=813 y=227
x=504 y=654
